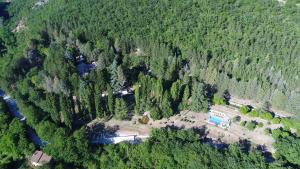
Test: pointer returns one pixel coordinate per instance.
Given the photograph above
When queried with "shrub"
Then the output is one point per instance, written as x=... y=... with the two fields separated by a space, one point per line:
x=243 y=123
x=244 y=109
x=254 y=113
x=251 y=125
x=144 y=120
x=219 y=101
x=155 y=113
x=260 y=124
x=265 y=115
x=236 y=119
x=267 y=131
x=276 y=120
x=291 y=123
x=279 y=133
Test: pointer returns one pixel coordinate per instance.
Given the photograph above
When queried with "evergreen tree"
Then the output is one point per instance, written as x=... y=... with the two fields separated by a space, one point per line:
x=185 y=98
x=86 y=94
x=199 y=100
x=110 y=99
x=118 y=78
x=121 y=109
x=155 y=113
x=99 y=106
x=158 y=90
x=176 y=90
x=137 y=99
x=166 y=105
x=66 y=110
x=53 y=104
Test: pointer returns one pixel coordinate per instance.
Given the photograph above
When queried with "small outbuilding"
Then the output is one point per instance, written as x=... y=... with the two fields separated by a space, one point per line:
x=39 y=158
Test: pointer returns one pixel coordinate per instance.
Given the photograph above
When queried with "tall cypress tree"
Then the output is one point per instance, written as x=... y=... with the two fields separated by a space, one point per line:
x=199 y=100
x=66 y=110
x=53 y=105
x=110 y=99
x=166 y=105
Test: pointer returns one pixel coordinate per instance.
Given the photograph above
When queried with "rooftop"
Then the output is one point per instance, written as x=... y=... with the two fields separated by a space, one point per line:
x=39 y=158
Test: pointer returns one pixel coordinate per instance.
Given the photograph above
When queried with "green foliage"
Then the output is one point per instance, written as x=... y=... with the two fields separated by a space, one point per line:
x=251 y=125
x=185 y=99
x=137 y=99
x=110 y=100
x=199 y=100
x=219 y=101
x=178 y=149
x=279 y=133
x=166 y=105
x=266 y=115
x=118 y=78
x=14 y=144
x=176 y=90
x=289 y=148
x=260 y=124
x=244 y=109
x=156 y=113
x=254 y=113
x=276 y=120
x=66 y=111
x=121 y=109
x=75 y=146
x=236 y=48
x=291 y=123
x=158 y=90
x=267 y=131
x=243 y=123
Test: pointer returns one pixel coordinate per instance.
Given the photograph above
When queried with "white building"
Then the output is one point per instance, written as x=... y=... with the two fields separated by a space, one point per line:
x=219 y=119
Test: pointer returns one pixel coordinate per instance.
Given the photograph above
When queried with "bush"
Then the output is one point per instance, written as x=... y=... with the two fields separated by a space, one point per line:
x=254 y=113
x=218 y=101
x=279 y=133
x=267 y=131
x=144 y=120
x=265 y=115
x=155 y=113
x=251 y=125
x=291 y=123
x=276 y=120
x=236 y=119
x=260 y=124
x=243 y=123
x=244 y=109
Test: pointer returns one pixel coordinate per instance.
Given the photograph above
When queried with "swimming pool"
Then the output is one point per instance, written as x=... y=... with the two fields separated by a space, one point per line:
x=215 y=120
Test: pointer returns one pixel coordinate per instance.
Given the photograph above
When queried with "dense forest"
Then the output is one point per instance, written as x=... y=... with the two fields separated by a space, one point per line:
x=66 y=62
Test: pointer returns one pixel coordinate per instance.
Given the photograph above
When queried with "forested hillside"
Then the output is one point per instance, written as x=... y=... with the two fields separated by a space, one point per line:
x=66 y=62
x=252 y=49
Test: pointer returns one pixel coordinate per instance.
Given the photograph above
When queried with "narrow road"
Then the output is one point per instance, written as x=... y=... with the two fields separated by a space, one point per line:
x=14 y=110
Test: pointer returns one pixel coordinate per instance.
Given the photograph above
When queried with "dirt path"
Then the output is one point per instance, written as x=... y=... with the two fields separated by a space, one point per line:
x=189 y=119
x=240 y=102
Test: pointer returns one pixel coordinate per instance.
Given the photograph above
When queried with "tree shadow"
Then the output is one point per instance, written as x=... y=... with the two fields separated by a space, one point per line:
x=245 y=145
x=202 y=131
x=227 y=96
x=267 y=155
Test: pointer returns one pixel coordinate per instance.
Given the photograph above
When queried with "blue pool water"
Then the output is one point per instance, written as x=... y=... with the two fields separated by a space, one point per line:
x=215 y=120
